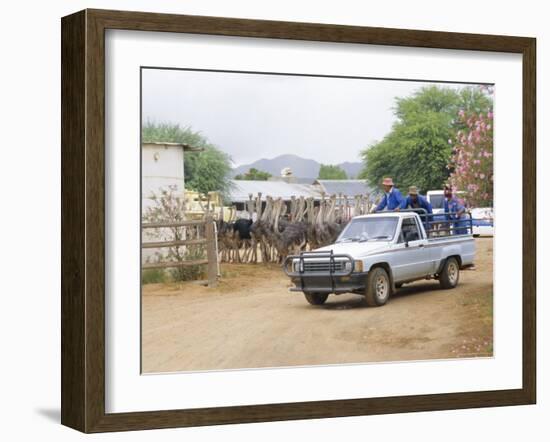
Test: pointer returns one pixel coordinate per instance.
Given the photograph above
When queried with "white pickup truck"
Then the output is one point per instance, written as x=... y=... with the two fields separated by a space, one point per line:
x=376 y=254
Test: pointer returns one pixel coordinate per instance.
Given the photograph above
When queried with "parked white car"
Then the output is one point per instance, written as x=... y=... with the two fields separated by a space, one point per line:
x=437 y=199
x=376 y=254
x=483 y=221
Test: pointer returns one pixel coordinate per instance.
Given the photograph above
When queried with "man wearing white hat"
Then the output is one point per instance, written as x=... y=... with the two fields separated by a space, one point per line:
x=392 y=198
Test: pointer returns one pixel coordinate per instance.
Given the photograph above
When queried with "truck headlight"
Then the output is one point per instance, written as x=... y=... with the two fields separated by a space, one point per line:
x=358 y=267
x=296 y=267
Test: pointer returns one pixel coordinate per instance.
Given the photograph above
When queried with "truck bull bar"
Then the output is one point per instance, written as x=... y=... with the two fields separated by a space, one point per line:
x=316 y=268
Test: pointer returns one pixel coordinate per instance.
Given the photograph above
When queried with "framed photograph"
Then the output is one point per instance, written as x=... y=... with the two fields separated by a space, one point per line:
x=270 y=220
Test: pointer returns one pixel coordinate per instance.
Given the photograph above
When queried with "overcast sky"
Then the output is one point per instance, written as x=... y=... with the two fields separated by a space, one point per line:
x=254 y=116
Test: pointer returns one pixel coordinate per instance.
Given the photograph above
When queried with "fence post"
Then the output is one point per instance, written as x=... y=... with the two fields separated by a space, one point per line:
x=211 y=254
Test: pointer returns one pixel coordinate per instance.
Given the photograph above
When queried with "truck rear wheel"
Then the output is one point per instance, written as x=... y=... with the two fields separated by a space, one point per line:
x=316 y=298
x=377 y=291
x=448 y=278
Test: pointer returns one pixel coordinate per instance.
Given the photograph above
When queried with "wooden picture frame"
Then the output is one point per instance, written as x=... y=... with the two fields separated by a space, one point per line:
x=83 y=220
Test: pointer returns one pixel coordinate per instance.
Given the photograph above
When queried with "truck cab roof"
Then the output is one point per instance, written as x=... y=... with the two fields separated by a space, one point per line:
x=401 y=214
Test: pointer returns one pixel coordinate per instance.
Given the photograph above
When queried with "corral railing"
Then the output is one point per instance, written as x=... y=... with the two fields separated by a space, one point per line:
x=208 y=240
x=445 y=223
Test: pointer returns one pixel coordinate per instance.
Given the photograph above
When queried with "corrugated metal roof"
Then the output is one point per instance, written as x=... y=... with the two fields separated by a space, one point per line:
x=295 y=180
x=276 y=189
x=186 y=147
x=345 y=187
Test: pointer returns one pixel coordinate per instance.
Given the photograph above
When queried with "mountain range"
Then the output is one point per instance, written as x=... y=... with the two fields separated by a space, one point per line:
x=301 y=167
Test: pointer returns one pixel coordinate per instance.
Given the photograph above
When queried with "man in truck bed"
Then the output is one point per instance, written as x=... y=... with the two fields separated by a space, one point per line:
x=456 y=212
x=416 y=201
x=392 y=198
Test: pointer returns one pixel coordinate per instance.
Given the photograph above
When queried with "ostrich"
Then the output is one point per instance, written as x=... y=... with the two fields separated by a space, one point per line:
x=251 y=247
x=260 y=228
x=290 y=234
x=241 y=227
x=226 y=237
x=332 y=227
x=276 y=225
x=293 y=233
x=311 y=217
x=323 y=228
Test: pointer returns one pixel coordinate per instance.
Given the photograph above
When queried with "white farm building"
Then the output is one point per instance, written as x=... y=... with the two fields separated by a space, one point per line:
x=162 y=167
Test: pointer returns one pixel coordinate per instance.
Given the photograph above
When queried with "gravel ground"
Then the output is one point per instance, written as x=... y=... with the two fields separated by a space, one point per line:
x=251 y=320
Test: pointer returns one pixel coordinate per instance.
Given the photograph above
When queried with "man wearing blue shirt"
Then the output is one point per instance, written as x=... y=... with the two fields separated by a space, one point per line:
x=416 y=201
x=392 y=198
x=455 y=210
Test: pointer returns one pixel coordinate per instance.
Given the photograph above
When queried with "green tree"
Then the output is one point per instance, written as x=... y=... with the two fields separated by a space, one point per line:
x=204 y=171
x=253 y=174
x=417 y=149
x=330 y=172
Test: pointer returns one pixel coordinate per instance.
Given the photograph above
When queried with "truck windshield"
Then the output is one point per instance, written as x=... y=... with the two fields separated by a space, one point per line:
x=369 y=229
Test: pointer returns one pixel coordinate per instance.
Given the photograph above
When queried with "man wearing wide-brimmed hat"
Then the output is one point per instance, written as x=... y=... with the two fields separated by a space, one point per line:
x=416 y=201
x=392 y=198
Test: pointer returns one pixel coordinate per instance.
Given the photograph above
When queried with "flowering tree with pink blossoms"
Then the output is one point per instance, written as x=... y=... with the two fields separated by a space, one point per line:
x=471 y=164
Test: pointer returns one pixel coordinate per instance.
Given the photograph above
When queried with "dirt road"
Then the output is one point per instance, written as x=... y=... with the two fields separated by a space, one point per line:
x=251 y=320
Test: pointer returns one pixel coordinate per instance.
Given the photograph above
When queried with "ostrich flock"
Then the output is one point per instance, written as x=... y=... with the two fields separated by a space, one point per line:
x=272 y=229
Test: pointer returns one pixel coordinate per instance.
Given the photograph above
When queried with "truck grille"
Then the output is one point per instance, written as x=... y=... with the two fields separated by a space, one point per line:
x=323 y=266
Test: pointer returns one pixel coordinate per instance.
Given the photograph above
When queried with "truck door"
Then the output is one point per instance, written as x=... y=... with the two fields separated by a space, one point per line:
x=413 y=257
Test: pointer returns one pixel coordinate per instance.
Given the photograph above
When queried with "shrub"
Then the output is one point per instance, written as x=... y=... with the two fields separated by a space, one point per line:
x=169 y=206
x=190 y=273
x=153 y=276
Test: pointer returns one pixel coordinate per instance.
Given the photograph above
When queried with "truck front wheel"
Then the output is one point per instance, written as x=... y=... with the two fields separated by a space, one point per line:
x=450 y=274
x=377 y=291
x=316 y=298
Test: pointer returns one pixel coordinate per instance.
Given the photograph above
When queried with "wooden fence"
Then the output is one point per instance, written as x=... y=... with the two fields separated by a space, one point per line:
x=209 y=241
